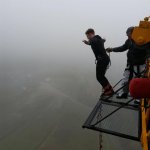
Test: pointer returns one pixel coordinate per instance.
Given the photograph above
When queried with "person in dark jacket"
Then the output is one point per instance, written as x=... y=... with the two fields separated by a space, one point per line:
x=102 y=60
x=136 y=58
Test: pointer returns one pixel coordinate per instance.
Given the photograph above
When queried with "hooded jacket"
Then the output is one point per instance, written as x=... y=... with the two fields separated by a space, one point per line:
x=136 y=55
x=97 y=45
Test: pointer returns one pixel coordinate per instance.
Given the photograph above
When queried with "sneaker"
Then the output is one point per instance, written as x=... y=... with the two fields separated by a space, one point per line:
x=122 y=96
x=107 y=94
x=137 y=102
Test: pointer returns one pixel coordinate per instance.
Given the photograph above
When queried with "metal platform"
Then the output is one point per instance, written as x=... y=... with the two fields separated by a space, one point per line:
x=117 y=117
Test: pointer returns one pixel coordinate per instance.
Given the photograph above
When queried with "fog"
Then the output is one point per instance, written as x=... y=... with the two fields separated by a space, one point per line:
x=47 y=75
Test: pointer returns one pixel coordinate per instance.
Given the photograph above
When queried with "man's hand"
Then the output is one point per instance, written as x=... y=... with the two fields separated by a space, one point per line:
x=86 y=42
x=109 y=50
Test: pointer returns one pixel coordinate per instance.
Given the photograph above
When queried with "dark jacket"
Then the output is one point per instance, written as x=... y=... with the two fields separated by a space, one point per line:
x=136 y=55
x=97 y=45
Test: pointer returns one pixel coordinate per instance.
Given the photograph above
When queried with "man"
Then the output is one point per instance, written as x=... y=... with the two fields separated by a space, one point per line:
x=136 y=58
x=102 y=59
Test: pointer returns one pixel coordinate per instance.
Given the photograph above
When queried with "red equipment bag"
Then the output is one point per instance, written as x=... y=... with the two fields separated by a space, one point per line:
x=140 y=88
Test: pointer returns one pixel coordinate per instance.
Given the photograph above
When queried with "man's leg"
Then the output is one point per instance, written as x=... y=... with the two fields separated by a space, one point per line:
x=100 y=74
x=125 y=83
x=101 y=68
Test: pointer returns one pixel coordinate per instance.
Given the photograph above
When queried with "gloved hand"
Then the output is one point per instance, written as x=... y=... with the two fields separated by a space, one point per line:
x=109 y=50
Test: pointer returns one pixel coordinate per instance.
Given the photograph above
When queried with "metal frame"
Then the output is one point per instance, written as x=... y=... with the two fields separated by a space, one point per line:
x=89 y=120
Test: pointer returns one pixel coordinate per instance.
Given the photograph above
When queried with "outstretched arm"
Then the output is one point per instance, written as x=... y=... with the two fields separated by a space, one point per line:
x=86 y=42
x=122 y=48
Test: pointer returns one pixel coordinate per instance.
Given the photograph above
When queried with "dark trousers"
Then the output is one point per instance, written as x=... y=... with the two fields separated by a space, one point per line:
x=101 y=67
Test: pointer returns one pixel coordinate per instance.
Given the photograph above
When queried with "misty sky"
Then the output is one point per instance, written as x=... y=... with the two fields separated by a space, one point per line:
x=51 y=31
x=47 y=75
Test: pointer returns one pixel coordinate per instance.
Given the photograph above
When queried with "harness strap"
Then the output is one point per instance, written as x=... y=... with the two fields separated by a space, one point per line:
x=138 y=73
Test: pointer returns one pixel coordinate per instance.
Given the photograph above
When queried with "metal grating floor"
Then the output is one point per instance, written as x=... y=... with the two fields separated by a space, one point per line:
x=117 y=117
